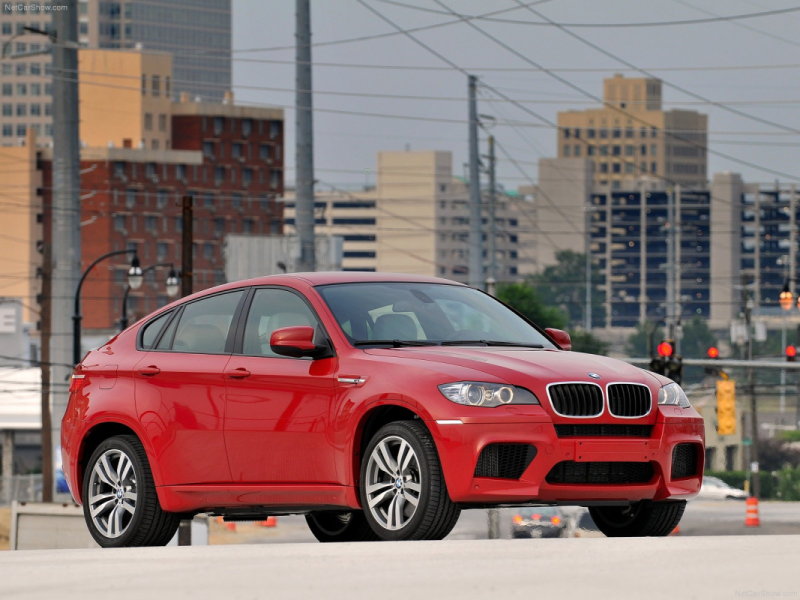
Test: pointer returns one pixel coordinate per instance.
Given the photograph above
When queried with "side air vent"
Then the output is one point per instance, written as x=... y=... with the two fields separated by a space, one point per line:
x=506 y=461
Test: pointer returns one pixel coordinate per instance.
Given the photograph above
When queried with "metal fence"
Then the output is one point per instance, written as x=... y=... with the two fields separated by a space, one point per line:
x=20 y=488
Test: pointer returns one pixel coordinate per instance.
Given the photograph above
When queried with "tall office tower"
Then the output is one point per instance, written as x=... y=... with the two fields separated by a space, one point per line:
x=632 y=136
x=197 y=34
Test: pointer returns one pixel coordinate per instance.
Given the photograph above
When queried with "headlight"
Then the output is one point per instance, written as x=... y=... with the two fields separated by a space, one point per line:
x=674 y=395
x=475 y=393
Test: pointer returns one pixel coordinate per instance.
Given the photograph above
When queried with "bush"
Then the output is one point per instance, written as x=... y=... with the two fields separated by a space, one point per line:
x=790 y=436
x=732 y=478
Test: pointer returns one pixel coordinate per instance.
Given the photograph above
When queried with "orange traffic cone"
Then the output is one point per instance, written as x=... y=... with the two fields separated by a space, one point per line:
x=228 y=526
x=676 y=531
x=751 y=518
x=270 y=522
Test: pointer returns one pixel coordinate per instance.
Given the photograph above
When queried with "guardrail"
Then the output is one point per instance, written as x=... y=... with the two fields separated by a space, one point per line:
x=20 y=488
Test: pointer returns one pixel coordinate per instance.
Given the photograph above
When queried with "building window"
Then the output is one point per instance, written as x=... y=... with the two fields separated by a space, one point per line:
x=616 y=133
x=236 y=201
x=603 y=133
x=156 y=85
x=653 y=132
x=566 y=133
x=219 y=123
x=148 y=122
x=577 y=150
x=629 y=167
x=48 y=109
x=150 y=170
x=162 y=122
x=119 y=223
x=21 y=130
x=151 y=223
x=8 y=130
x=22 y=89
x=591 y=150
x=236 y=150
x=208 y=251
x=247 y=177
x=161 y=198
x=263 y=152
x=219 y=226
x=616 y=168
x=8 y=110
x=144 y=84
x=154 y=144
x=247 y=127
x=628 y=150
x=36 y=89
x=161 y=251
x=167 y=87
x=22 y=110
x=274 y=129
x=36 y=110
x=603 y=150
x=643 y=149
x=22 y=69
x=208 y=149
x=274 y=179
x=653 y=149
x=566 y=150
x=629 y=132
x=616 y=150
x=233 y=174
x=652 y=167
x=219 y=175
x=643 y=167
x=590 y=133
x=604 y=167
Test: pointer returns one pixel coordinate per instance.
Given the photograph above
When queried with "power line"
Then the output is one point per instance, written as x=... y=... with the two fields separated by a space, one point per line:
x=714 y=19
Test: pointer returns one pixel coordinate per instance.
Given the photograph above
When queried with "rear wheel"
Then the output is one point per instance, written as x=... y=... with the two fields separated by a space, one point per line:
x=640 y=519
x=120 y=504
x=403 y=491
x=348 y=526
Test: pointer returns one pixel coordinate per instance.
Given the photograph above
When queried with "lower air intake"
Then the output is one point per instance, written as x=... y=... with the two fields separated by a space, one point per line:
x=506 y=461
x=684 y=461
x=600 y=472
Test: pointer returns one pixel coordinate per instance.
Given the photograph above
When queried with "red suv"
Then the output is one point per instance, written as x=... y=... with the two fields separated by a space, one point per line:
x=377 y=405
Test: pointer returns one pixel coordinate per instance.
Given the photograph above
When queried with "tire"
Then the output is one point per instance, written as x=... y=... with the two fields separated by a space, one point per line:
x=393 y=515
x=331 y=526
x=135 y=517
x=641 y=519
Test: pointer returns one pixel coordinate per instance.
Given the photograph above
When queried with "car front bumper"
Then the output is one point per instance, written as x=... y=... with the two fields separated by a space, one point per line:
x=460 y=444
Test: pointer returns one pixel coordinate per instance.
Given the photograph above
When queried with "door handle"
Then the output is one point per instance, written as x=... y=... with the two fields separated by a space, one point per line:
x=239 y=373
x=150 y=371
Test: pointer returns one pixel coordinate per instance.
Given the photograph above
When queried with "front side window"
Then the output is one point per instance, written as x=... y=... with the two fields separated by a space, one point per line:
x=436 y=314
x=274 y=309
x=205 y=324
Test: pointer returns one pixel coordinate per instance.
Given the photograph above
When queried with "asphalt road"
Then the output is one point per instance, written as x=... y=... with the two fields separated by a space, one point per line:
x=724 y=517
x=670 y=568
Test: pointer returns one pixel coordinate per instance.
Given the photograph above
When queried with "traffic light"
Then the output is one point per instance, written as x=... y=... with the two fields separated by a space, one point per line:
x=726 y=407
x=667 y=363
x=713 y=352
x=791 y=353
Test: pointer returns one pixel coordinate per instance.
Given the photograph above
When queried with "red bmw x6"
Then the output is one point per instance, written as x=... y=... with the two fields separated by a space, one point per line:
x=379 y=406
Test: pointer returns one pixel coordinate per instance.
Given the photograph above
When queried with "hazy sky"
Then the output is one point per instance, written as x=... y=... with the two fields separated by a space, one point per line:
x=349 y=142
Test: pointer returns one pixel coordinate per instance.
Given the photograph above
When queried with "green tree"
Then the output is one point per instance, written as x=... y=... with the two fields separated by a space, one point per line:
x=564 y=285
x=639 y=341
x=523 y=298
x=584 y=341
x=697 y=338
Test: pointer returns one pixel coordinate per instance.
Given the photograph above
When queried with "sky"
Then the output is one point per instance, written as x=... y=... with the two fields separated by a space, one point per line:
x=347 y=138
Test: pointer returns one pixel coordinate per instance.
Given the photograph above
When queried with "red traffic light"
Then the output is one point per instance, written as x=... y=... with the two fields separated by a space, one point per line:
x=791 y=352
x=665 y=349
x=713 y=352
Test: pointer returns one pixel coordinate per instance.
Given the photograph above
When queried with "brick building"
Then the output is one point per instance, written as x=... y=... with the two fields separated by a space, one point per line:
x=229 y=158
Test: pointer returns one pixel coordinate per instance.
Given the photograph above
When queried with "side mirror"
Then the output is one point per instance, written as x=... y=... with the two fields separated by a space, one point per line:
x=296 y=342
x=561 y=338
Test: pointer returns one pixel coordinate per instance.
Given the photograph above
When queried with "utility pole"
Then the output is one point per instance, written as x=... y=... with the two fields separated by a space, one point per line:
x=45 y=321
x=748 y=304
x=304 y=131
x=66 y=207
x=587 y=242
x=671 y=264
x=475 y=236
x=491 y=271
x=187 y=246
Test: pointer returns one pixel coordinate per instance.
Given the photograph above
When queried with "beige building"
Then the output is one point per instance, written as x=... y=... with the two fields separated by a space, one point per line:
x=133 y=91
x=21 y=226
x=416 y=220
x=632 y=135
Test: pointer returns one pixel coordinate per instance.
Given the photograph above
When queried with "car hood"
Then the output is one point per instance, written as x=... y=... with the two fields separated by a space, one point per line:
x=515 y=365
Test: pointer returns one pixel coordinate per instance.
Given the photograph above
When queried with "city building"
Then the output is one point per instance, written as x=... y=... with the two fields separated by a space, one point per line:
x=415 y=220
x=631 y=135
x=196 y=34
x=228 y=158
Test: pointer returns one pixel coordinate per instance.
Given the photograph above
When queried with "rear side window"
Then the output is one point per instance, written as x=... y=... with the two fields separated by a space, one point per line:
x=152 y=329
x=205 y=324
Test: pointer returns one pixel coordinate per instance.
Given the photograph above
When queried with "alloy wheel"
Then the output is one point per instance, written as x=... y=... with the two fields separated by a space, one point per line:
x=112 y=493
x=393 y=483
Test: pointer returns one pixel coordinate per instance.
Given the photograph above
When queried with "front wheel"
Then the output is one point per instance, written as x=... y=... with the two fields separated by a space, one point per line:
x=348 y=526
x=640 y=519
x=402 y=487
x=120 y=504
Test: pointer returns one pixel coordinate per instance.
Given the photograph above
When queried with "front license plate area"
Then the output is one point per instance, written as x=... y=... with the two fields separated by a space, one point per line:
x=628 y=451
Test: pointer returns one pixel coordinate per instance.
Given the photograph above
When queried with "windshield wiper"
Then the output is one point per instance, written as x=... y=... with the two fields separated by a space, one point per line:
x=489 y=343
x=393 y=343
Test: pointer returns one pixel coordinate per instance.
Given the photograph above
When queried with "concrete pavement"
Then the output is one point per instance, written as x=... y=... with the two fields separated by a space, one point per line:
x=670 y=568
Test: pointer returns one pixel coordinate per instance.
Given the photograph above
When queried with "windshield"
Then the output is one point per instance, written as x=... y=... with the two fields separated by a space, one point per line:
x=426 y=314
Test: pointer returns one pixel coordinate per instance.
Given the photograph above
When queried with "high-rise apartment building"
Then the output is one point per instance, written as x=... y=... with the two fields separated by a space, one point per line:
x=197 y=34
x=416 y=220
x=632 y=136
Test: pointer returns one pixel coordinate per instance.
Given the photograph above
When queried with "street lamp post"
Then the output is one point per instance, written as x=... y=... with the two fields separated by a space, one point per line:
x=172 y=284
x=134 y=281
x=786 y=299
